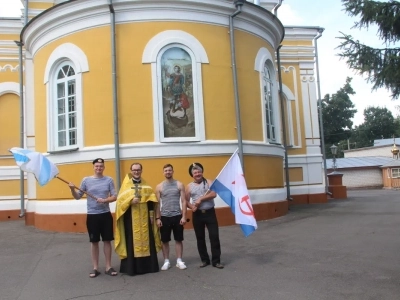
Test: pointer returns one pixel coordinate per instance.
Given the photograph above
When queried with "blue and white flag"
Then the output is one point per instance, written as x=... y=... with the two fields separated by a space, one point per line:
x=34 y=162
x=230 y=186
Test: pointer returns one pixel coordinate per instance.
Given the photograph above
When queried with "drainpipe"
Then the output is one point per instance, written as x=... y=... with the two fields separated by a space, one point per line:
x=321 y=124
x=26 y=11
x=276 y=8
x=287 y=179
x=238 y=4
x=114 y=92
x=20 y=44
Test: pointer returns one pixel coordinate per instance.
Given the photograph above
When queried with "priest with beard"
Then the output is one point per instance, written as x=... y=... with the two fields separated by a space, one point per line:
x=137 y=237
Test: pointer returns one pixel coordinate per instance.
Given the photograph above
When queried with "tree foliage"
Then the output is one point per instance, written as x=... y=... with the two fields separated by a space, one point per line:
x=361 y=137
x=337 y=112
x=379 y=123
x=380 y=65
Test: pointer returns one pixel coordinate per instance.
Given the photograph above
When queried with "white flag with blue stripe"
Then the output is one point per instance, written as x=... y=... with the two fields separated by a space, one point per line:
x=230 y=185
x=34 y=162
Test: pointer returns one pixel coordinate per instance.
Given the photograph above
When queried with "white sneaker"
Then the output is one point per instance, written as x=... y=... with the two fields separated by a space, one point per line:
x=166 y=266
x=181 y=265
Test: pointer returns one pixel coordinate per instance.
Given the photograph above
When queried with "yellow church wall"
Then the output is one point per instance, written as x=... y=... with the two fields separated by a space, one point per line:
x=9 y=37
x=135 y=86
x=39 y=5
x=6 y=162
x=97 y=93
x=294 y=120
x=247 y=47
x=9 y=76
x=10 y=187
x=266 y=172
x=288 y=80
x=219 y=109
x=297 y=42
x=9 y=123
x=296 y=174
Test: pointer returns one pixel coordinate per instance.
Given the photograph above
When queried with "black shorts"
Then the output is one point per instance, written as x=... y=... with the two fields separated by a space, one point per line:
x=100 y=225
x=171 y=224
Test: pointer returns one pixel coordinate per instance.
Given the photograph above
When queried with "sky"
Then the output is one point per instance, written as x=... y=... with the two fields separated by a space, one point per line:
x=333 y=71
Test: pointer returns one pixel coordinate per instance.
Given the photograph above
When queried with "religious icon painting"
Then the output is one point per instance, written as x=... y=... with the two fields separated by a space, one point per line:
x=177 y=94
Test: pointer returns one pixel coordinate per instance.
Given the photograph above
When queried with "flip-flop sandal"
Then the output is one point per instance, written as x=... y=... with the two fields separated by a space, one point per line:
x=94 y=274
x=111 y=272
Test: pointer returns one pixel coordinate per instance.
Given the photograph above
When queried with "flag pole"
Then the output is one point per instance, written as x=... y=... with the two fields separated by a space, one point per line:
x=237 y=149
x=63 y=180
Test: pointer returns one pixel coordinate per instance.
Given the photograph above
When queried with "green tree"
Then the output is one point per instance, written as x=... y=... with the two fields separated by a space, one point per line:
x=380 y=122
x=361 y=137
x=380 y=65
x=337 y=112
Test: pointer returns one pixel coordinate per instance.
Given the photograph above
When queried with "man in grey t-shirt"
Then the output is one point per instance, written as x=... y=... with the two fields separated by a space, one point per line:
x=99 y=222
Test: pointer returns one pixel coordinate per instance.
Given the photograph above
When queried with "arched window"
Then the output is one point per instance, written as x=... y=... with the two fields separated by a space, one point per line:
x=63 y=79
x=176 y=58
x=268 y=88
x=66 y=112
x=269 y=95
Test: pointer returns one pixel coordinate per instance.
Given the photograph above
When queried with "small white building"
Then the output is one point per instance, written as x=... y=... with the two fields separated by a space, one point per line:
x=360 y=172
x=381 y=147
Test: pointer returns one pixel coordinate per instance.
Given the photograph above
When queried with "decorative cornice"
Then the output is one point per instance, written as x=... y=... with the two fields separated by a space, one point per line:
x=301 y=33
x=8 y=67
x=76 y=16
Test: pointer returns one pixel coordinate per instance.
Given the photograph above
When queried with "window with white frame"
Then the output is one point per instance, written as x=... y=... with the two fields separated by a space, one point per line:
x=63 y=80
x=65 y=112
x=268 y=90
x=395 y=173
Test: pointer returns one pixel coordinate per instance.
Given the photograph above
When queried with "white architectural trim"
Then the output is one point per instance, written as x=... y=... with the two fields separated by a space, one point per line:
x=78 y=16
x=167 y=37
x=163 y=150
x=10 y=173
x=9 y=88
x=289 y=116
x=152 y=54
x=10 y=203
x=56 y=207
x=264 y=56
x=308 y=189
x=70 y=52
x=59 y=58
x=298 y=143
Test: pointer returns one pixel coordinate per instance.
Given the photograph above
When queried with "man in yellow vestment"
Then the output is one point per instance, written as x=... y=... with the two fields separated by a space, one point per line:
x=137 y=237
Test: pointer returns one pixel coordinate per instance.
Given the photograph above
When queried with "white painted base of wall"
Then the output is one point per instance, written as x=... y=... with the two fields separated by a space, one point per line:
x=79 y=206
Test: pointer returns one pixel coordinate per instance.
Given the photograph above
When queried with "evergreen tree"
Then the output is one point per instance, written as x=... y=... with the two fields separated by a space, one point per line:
x=381 y=66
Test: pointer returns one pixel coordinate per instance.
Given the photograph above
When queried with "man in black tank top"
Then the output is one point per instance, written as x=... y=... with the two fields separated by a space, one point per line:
x=171 y=217
x=202 y=206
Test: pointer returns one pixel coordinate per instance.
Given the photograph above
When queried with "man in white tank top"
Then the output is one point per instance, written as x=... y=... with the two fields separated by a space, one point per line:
x=172 y=216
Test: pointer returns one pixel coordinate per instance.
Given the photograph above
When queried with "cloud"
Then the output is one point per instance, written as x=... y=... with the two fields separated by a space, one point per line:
x=288 y=16
x=10 y=8
x=333 y=70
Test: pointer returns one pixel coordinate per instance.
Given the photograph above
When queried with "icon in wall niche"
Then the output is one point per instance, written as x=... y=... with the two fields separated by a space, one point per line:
x=177 y=94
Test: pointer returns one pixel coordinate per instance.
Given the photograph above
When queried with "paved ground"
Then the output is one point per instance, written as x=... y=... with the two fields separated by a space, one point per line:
x=346 y=249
